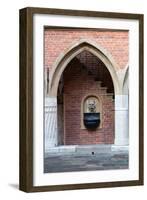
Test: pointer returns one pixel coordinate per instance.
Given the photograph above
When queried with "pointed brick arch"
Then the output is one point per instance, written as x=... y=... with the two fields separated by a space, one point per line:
x=65 y=57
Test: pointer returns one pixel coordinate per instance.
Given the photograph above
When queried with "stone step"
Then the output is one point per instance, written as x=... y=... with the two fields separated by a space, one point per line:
x=85 y=150
x=92 y=149
x=80 y=149
x=91 y=74
x=99 y=83
x=104 y=89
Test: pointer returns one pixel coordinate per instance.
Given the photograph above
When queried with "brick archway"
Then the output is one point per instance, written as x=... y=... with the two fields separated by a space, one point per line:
x=54 y=77
x=85 y=76
x=67 y=56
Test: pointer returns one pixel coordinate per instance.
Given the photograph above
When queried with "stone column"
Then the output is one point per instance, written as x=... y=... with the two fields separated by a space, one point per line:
x=121 y=120
x=50 y=122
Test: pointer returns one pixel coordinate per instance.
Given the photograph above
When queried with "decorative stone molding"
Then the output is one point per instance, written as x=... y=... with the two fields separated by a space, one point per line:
x=126 y=82
x=99 y=109
x=67 y=56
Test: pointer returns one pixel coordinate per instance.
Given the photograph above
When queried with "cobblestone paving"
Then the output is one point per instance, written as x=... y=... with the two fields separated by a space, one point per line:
x=87 y=162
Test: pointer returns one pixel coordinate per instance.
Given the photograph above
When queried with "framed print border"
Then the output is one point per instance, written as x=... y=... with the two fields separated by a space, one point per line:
x=26 y=99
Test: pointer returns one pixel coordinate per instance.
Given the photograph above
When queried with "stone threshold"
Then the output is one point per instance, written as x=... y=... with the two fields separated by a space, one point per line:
x=86 y=149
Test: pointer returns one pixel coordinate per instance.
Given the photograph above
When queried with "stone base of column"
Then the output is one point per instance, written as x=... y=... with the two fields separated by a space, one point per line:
x=121 y=142
x=50 y=123
x=123 y=148
x=121 y=120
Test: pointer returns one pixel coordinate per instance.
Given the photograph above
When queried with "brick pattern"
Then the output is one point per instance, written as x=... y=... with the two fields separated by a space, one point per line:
x=77 y=84
x=97 y=69
x=115 y=42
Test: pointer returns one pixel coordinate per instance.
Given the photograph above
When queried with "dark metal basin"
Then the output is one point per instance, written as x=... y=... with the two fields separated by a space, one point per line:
x=91 y=120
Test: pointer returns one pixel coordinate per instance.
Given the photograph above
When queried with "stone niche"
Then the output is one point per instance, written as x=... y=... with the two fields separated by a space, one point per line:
x=91 y=114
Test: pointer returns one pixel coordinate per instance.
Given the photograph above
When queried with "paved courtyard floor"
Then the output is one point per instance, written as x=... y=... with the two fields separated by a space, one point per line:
x=85 y=162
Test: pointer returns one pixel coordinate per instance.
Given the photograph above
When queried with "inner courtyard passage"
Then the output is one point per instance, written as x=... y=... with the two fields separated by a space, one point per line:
x=86 y=95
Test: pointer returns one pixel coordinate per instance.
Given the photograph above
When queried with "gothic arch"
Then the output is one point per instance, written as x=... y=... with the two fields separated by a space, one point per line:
x=73 y=51
x=126 y=82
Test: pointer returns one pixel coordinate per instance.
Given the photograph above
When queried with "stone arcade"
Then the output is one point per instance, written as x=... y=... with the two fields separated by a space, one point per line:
x=92 y=71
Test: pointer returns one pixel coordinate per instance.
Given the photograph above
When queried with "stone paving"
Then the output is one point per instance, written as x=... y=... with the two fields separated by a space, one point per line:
x=85 y=162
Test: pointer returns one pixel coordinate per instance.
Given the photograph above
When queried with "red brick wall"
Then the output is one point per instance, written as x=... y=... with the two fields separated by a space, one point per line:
x=77 y=84
x=57 y=41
